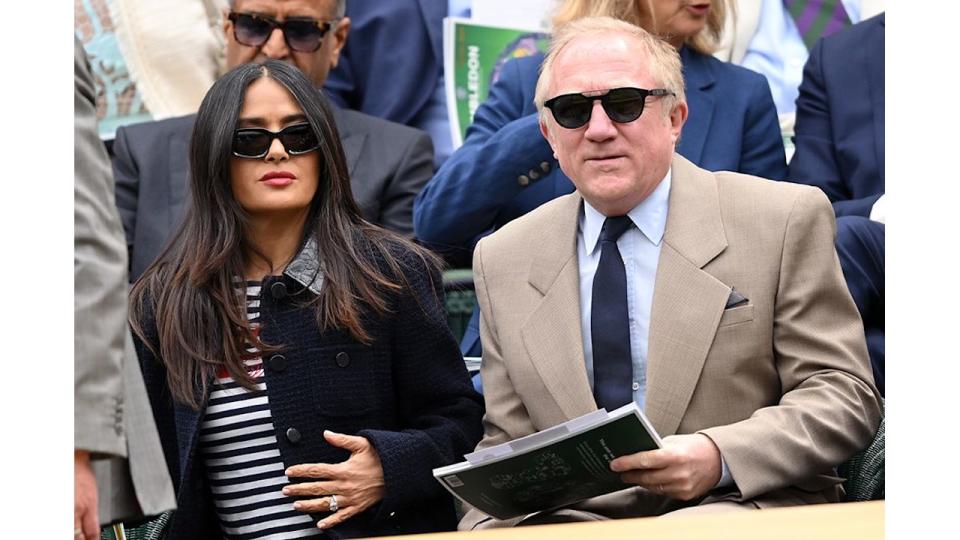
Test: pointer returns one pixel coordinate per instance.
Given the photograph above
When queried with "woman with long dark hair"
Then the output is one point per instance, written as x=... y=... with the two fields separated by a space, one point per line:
x=297 y=357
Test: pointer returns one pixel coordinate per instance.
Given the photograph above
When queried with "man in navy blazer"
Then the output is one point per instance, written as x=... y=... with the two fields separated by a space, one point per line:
x=506 y=168
x=840 y=149
x=389 y=163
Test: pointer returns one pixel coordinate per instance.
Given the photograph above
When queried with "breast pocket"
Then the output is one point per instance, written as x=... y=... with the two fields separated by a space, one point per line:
x=344 y=381
x=737 y=315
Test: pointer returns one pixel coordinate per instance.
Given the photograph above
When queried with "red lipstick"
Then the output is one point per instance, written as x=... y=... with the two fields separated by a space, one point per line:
x=278 y=178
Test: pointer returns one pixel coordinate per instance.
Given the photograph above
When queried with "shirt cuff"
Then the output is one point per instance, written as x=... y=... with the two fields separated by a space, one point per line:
x=726 y=479
x=879 y=210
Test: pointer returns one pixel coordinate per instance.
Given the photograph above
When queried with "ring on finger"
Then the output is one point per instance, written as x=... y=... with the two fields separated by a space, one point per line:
x=333 y=503
x=77 y=532
x=660 y=488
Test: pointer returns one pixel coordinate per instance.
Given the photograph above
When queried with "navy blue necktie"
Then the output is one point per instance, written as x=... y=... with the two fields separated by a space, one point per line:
x=610 y=321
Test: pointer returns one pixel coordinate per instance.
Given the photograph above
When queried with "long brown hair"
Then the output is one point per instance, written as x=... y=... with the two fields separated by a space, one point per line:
x=640 y=13
x=192 y=289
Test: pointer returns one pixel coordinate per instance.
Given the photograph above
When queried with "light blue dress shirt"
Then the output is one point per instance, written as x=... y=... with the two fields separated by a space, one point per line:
x=777 y=51
x=640 y=249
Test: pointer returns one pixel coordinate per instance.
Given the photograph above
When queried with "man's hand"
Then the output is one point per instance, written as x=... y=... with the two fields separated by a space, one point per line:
x=357 y=483
x=85 y=517
x=686 y=467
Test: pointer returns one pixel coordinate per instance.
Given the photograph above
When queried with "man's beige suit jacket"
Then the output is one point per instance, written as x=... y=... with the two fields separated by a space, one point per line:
x=782 y=384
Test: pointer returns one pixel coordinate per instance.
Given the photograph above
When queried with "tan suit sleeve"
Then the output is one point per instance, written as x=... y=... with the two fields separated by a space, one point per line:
x=830 y=407
x=100 y=284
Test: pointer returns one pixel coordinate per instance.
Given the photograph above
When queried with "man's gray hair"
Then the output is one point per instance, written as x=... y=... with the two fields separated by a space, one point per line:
x=663 y=60
x=338 y=12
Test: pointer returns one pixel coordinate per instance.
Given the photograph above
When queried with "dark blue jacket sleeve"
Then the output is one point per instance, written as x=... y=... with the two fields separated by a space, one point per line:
x=462 y=200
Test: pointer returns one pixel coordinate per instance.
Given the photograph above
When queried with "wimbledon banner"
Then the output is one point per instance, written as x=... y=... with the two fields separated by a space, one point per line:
x=474 y=55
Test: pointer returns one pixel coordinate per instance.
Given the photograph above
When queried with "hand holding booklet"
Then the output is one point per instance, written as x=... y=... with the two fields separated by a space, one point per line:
x=552 y=468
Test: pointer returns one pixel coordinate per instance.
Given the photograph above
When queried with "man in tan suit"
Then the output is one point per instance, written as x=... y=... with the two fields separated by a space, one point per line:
x=747 y=352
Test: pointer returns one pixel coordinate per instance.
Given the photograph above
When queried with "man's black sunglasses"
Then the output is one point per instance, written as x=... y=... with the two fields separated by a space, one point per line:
x=622 y=105
x=302 y=34
x=255 y=142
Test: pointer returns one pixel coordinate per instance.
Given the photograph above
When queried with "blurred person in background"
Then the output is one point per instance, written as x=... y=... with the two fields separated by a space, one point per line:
x=840 y=149
x=117 y=458
x=150 y=60
x=388 y=163
x=774 y=38
x=297 y=356
x=400 y=41
x=506 y=167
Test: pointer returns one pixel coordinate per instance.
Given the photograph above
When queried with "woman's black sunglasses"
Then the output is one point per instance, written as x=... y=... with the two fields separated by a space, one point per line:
x=302 y=34
x=255 y=143
x=622 y=105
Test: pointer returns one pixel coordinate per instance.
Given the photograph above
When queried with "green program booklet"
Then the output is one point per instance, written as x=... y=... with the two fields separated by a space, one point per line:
x=552 y=468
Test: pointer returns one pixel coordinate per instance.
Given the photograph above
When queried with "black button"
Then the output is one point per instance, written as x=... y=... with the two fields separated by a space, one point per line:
x=343 y=359
x=293 y=435
x=277 y=363
x=278 y=290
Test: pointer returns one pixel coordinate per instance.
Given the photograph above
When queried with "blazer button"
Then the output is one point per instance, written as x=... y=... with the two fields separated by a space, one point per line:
x=544 y=166
x=533 y=174
x=343 y=359
x=278 y=290
x=523 y=180
x=293 y=435
x=277 y=363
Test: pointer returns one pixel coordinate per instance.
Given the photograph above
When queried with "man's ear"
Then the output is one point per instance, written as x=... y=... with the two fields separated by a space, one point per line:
x=227 y=23
x=547 y=134
x=678 y=117
x=340 y=32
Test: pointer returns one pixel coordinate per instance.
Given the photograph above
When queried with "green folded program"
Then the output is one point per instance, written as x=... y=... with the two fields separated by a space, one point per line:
x=552 y=468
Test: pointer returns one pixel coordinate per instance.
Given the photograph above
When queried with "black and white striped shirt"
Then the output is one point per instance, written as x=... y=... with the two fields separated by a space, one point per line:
x=241 y=455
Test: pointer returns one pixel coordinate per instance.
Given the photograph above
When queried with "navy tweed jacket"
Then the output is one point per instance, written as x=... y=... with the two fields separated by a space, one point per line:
x=408 y=393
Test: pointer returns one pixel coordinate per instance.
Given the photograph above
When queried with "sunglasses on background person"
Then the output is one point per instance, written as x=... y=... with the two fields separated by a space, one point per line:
x=302 y=34
x=622 y=105
x=254 y=143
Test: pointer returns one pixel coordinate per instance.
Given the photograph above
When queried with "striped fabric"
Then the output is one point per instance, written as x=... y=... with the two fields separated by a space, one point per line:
x=241 y=456
x=817 y=18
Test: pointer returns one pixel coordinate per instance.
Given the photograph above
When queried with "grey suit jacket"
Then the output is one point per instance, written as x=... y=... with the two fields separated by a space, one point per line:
x=389 y=164
x=112 y=418
x=781 y=384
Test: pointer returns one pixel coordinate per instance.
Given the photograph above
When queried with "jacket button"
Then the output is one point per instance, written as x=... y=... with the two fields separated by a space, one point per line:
x=523 y=180
x=343 y=359
x=278 y=290
x=533 y=174
x=293 y=435
x=277 y=363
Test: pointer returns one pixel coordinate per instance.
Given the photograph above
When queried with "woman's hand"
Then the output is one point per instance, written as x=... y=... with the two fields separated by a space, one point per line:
x=357 y=483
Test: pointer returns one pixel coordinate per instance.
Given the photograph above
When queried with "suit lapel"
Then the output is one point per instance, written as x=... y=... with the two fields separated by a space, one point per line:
x=698 y=80
x=687 y=301
x=351 y=141
x=552 y=334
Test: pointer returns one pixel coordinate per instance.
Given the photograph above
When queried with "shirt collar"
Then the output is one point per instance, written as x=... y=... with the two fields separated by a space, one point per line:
x=650 y=216
x=305 y=267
